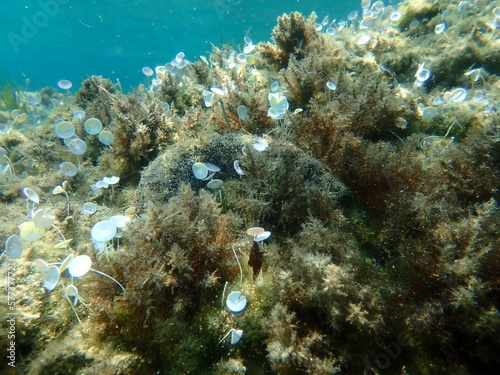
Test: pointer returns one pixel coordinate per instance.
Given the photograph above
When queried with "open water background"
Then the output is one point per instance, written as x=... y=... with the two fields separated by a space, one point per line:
x=48 y=40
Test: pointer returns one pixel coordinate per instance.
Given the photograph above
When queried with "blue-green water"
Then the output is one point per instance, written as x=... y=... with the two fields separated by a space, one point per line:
x=48 y=40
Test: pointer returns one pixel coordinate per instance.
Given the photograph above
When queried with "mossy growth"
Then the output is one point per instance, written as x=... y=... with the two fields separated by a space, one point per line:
x=172 y=168
x=293 y=36
x=141 y=131
x=95 y=97
x=417 y=10
x=282 y=186
x=181 y=254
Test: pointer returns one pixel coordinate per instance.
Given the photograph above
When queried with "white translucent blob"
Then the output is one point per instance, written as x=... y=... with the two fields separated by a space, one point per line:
x=77 y=147
x=478 y=96
x=103 y=231
x=453 y=32
x=79 y=114
x=28 y=231
x=89 y=208
x=65 y=263
x=51 y=277
x=200 y=171
x=161 y=70
x=101 y=184
x=331 y=31
x=64 y=84
x=364 y=39
x=44 y=218
x=72 y=293
x=217 y=91
x=236 y=335
x=332 y=86
x=440 y=27
x=68 y=169
x=236 y=302
x=458 y=95
x=106 y=137
x=263 y=236
x=395 y=16
x=238 y=168
x=33 y=98
x=352 y=15
x=438 y=100
x=429 y=112
x=423 y=74
x=365 y=4
x=401 y=123
x=55 y=102
x=41 y=266
x=13 y=247
x=378 y=6
x=31 y=195
x=147 y=71
x=79 y=265
x=209 y=98
x=255 y=231
x=120 y=220
x=4 y=164
x=180 y=56
x=65 y=129
x=248 y=48
x=366 y=22
x=414 y=24
x=496 y=12
x=275 y=86
x=214 y=184
x=93 y=126
x=242 y=112
x=260 y=144
x=278 y=102
x=211 y=167
x=242 y=57
x=113 y=180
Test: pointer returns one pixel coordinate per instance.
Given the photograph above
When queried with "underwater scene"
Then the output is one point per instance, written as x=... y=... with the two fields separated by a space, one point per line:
x=323 y=200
